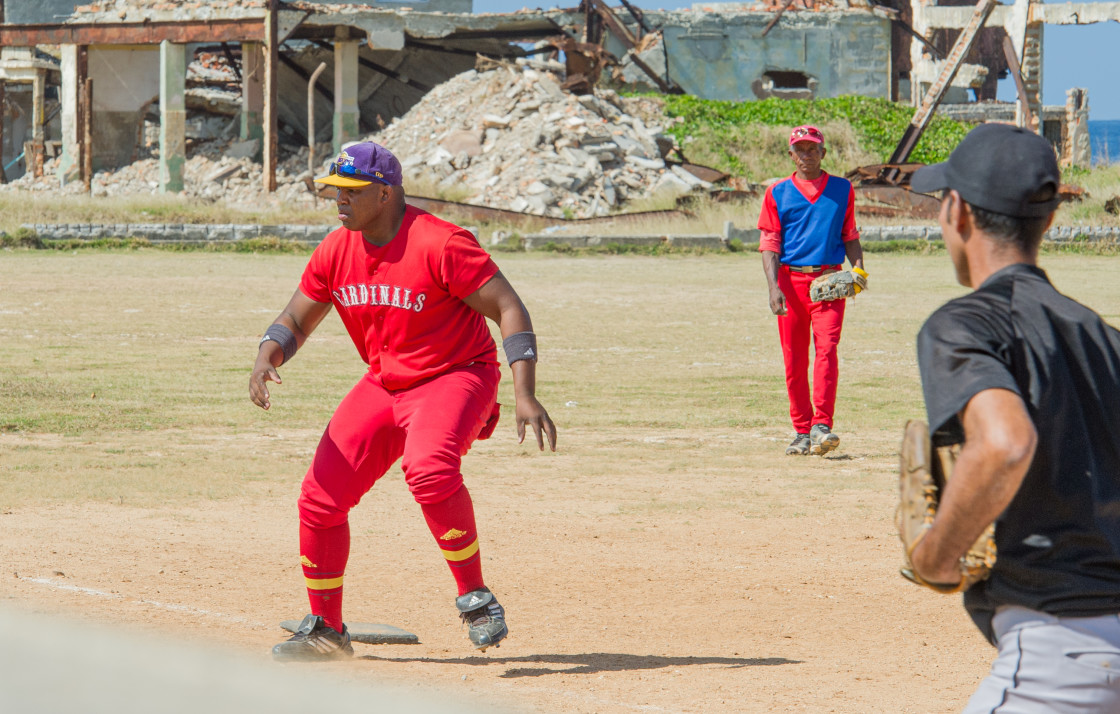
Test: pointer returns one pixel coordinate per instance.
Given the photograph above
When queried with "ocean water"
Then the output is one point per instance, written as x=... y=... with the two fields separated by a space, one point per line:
x=1104 y=141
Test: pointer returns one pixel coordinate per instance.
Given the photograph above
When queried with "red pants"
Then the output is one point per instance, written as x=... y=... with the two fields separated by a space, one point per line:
x=432 y=425
x=824 y=320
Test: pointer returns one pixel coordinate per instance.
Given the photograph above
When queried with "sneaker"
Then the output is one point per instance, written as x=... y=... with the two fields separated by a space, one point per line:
x=485 y=617
x=799 y=446
x=822 y=440
x=314 y=642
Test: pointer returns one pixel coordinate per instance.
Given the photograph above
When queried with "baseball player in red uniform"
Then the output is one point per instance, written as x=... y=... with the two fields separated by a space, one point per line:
x=808 y=228
x=414 y=293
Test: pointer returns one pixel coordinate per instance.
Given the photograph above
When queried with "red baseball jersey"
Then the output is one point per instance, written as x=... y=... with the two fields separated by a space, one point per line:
x=402 y=302
x=771 y=225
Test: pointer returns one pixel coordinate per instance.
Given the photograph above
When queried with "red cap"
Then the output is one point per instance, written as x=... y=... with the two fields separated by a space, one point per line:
x=806 y=133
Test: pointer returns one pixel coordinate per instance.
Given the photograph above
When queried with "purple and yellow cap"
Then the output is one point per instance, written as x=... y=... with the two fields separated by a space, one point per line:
x=362 y=164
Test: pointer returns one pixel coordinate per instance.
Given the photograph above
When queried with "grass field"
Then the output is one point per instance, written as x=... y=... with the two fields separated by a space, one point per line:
x=701 y=569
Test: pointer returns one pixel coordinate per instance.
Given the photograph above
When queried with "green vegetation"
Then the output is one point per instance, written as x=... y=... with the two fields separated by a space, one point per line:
x=729 y=130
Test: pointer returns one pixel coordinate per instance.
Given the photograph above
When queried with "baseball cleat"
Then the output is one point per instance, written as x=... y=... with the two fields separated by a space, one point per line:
x=799 y=446
x=484 y=616
x=314 y=642
x=822 y=440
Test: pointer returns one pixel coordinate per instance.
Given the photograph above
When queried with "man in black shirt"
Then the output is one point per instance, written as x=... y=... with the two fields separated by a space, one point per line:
x=1029 y=381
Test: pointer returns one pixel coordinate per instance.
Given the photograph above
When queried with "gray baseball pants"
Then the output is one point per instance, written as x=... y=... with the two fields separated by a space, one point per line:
x=1051 y=665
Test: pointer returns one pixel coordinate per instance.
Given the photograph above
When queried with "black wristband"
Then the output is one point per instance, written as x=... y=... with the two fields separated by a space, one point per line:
x=282 y=336
x=520 y=345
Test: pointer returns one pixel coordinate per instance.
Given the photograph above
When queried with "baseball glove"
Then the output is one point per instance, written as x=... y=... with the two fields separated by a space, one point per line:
x=838 y=285
x=923 y=474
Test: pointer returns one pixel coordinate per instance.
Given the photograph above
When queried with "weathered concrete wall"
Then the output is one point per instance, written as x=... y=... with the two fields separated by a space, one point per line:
x=125 y=81
x=724 y=56
x=462 y=6
x=28 y=12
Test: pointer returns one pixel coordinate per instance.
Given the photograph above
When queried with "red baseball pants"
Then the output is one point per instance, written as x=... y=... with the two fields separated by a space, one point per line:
x=431 y=425
x=823 y=320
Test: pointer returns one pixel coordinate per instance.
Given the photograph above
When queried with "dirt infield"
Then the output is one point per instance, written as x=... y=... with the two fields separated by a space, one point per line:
x=669 y=557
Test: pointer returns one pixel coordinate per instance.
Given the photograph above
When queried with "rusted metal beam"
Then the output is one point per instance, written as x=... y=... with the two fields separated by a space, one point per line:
x=1020 y=86
x=146 y=33
x=614 y=24
x=937 y=54
x=937 y=90
x=638 y=16
x=232 y=62
x=777 y=16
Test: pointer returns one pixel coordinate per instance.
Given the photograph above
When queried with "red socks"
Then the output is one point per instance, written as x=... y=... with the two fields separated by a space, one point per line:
x=451 y=521
x=323 y=552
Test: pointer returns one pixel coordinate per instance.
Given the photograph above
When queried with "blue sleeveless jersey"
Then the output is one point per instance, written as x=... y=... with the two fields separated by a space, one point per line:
x=812 y=232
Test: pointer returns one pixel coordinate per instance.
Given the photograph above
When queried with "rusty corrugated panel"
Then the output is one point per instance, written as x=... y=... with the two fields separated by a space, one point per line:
x=905 y=201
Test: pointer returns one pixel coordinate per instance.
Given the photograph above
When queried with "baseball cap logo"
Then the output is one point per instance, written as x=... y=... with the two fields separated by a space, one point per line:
x=806 y=133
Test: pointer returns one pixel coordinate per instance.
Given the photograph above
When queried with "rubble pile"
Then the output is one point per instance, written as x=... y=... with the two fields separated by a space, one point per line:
x=221 y=170
x=507 y=136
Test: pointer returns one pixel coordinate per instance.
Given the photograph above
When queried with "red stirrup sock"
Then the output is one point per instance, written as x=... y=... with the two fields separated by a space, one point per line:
x=323 y=553
x=451 y=521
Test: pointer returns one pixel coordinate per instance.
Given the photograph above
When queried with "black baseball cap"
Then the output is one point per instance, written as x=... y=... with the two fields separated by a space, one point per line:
x=997 y=167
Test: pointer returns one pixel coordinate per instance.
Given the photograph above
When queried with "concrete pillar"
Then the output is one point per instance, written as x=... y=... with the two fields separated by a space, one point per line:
x=73 y=77
x=1032 y=69
x=1077 y=150
x=252 y=91
x=3 y=120
x=346 y=111
x=38 y=148
x=172 y=115
x=271 y=143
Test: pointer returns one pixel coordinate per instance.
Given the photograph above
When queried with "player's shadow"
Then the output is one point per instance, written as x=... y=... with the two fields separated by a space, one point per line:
x=590 y=663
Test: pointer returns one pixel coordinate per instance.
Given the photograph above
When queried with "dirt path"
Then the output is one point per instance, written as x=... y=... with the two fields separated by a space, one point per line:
x=728 y=588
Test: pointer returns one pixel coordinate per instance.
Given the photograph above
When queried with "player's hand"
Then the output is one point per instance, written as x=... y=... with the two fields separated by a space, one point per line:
x=777 y=301
x=263 y=371
x=529 y=411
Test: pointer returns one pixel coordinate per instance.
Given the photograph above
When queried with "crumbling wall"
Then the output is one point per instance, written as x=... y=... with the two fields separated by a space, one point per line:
x=35 y=12
x=724 y=55
x=1076 y=149
x=460 y=6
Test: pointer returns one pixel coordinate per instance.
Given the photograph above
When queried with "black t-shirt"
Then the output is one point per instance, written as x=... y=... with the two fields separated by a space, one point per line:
x=1058 y=542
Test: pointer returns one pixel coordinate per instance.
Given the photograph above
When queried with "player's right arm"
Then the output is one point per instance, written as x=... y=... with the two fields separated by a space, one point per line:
x=301 y=316
x=770 y=245
x=770 y=266
x=999 y=445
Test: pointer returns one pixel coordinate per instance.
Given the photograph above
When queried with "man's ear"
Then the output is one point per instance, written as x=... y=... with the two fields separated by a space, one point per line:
x=960 y=214
x=823 y=151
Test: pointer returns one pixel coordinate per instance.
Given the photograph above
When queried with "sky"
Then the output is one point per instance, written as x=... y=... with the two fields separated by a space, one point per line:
x=1073 y=56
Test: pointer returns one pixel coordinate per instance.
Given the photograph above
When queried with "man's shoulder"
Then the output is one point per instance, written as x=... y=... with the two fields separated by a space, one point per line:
x=839 y=182
x=969 y=315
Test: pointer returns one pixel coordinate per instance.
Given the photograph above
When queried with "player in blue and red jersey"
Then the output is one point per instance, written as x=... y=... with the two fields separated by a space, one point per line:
x=414 y=293
x=808 y=229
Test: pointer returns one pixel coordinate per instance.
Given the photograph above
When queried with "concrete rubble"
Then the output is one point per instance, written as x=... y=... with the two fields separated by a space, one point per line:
x=507 y=136
x=504 y=135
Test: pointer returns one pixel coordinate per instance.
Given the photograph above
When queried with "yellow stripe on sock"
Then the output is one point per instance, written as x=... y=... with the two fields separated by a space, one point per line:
x=330 y=584
x=457 y=555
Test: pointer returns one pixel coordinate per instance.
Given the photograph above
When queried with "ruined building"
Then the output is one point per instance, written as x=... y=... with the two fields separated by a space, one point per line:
x=95 y=84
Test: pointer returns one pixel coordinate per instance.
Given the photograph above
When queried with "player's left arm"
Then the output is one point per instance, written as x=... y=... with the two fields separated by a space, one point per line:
x=999 y=445
x=854 y=251
x=850 y=234
x=498 y=301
